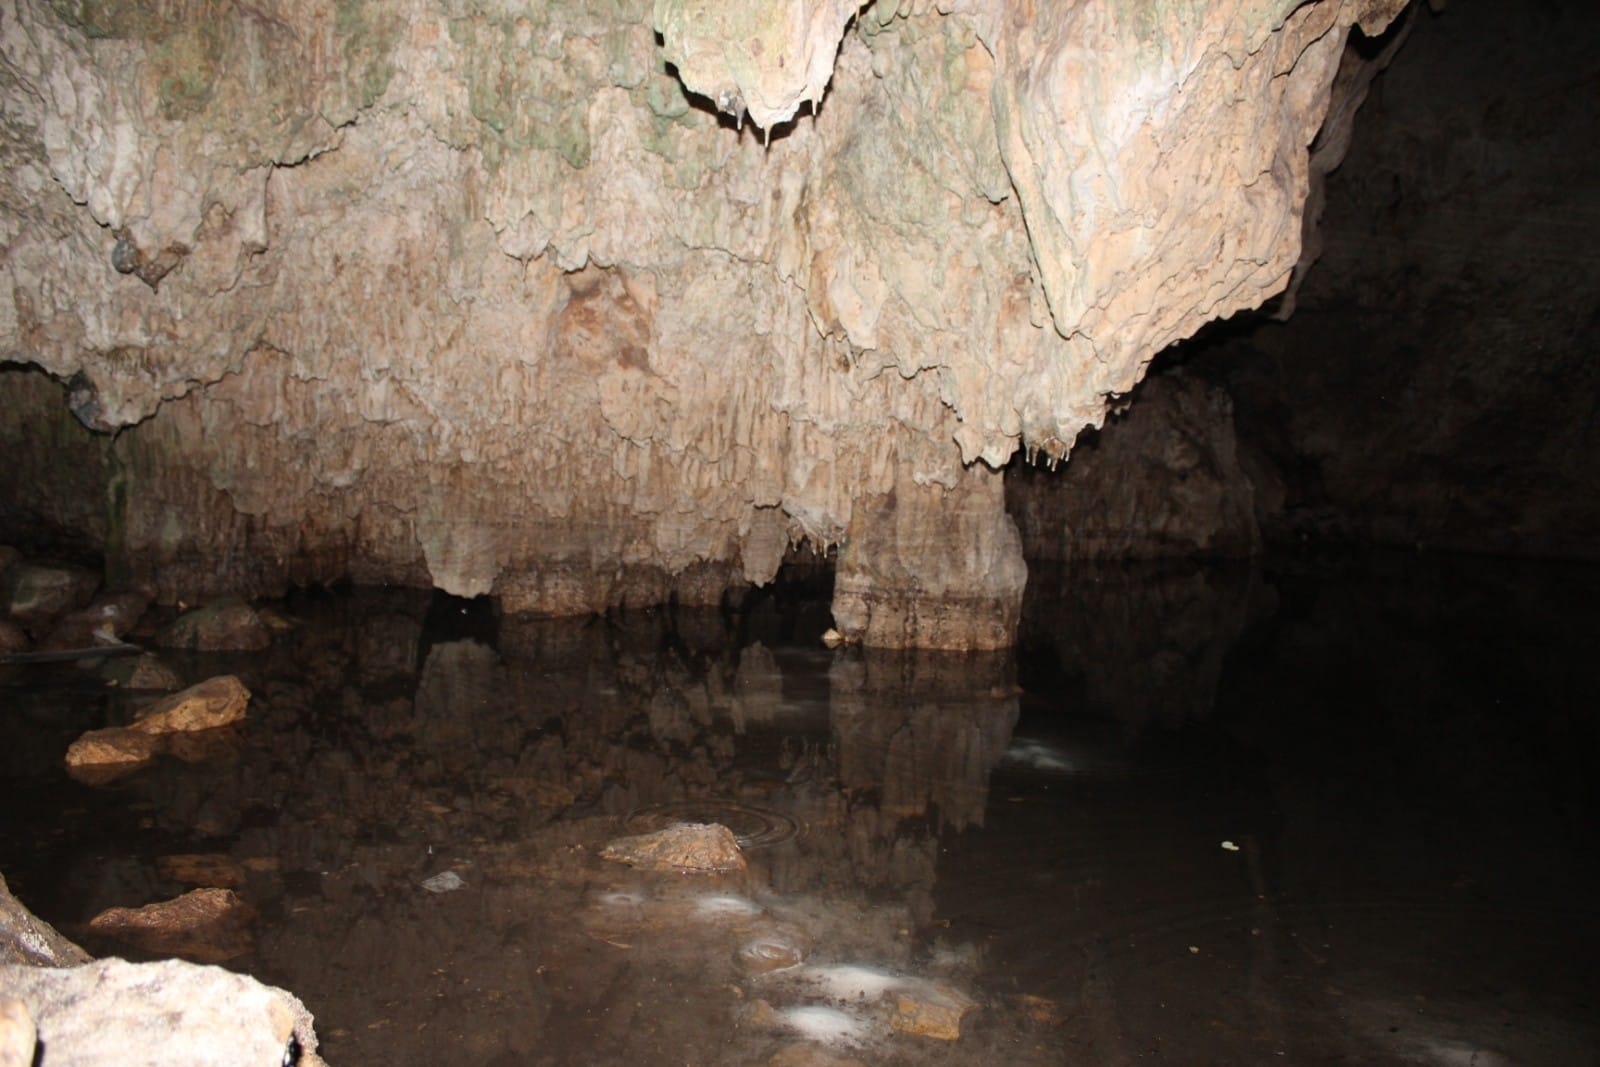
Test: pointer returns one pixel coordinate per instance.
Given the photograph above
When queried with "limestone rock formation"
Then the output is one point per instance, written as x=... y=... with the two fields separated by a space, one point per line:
x=508 y=300
x=171 y=1013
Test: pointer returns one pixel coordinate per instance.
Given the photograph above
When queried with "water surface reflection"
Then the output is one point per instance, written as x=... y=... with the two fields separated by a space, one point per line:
x=1311 y=815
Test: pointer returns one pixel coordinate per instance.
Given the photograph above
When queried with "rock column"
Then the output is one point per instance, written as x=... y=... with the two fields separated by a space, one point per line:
x=926 y=566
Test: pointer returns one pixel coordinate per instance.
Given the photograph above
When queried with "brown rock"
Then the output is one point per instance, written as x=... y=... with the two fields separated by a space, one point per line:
x=103 y=622
x=931 y=1010
x=214 y=702
x=28 y=940
x=685 y=847
x=224 y=625
x=34 y=593
x=140 y=672
x=203 y=925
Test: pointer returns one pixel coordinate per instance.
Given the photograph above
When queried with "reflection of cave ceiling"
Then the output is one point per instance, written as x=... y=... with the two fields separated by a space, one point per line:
x=479 y=296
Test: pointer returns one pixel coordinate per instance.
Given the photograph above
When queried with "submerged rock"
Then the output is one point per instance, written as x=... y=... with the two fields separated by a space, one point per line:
x=224 y=625
x=142 y=672
x=203 y=925
x=685 y=847
x=113 y=1013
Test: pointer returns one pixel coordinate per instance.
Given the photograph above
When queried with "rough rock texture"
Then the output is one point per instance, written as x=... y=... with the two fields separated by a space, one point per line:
x=686 y=847
x=28 y=940
x=227 y=624
x=167 y=1014
x=187 y=724
x=1163 y=479
x=1438 y=384
x=215 y=702
x=18 y=1037
x=476 y=296
x=203 y=925
x=34 y=593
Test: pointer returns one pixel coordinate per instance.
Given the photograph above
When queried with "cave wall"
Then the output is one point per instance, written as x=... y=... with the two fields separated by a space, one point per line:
x=533 y=302
x=1439 y=381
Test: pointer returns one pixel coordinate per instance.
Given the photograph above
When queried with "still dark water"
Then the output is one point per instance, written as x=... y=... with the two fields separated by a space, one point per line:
x=1334 y=812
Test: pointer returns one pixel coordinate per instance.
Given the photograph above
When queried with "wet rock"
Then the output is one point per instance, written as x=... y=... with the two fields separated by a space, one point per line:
x=27 y=940
x=685 y=847
x=209 y=870
x=203 y=925
x=186 y=724
x=141 y=672
x=103 y=622
x=35 y=593
x=214 y=702
x=224 y=625
x=18 y=1035
x=931 y=1010
x=102 y=755
x=113 y=1013
x=13 y=638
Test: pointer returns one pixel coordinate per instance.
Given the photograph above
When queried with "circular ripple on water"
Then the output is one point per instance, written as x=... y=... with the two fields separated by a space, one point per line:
x=752 y=827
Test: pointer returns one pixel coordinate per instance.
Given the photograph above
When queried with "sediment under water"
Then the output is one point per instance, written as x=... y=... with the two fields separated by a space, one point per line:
x=1308 y=813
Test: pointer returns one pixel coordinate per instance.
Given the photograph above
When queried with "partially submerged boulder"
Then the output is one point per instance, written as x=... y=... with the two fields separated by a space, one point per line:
x=224 y=625
x=709 y=847
x=140 y=672
x=203 y=925
x=168 y=725
x=215 y=702
x=103 y=622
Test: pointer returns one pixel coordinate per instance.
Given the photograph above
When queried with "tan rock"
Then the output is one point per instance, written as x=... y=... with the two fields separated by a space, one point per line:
x=111 y=751
x=931 y=1010
x=727 y=346
x=112 y=1013
x=704 y=847
x=18 y=1036
x=214 y=702
x=203 y=925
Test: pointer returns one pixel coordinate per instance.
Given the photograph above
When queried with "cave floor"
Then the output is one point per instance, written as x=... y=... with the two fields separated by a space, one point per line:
x=1332 y=812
